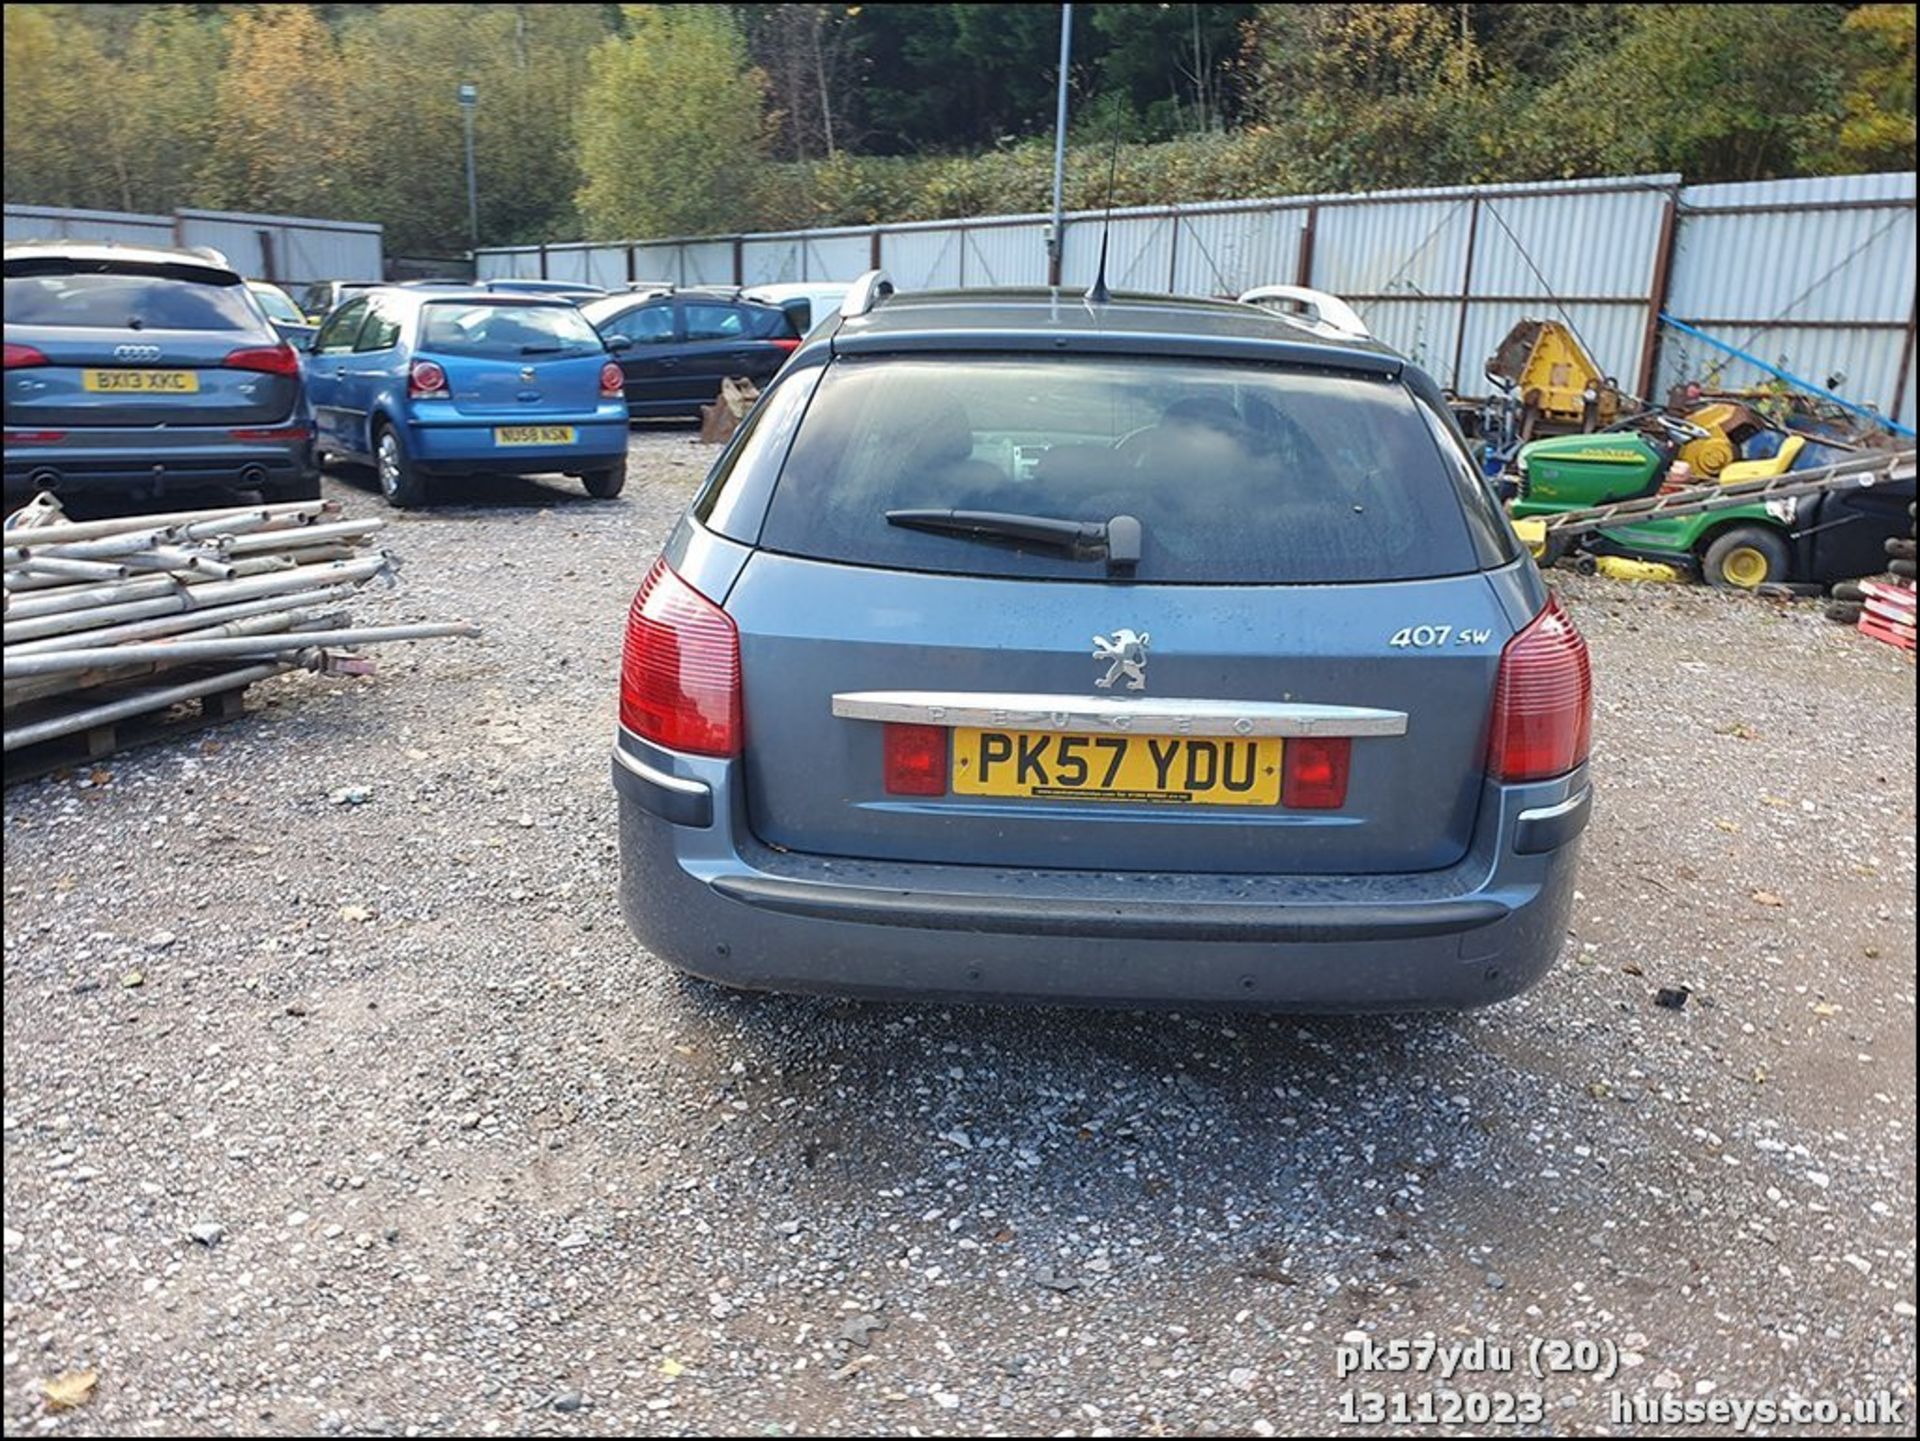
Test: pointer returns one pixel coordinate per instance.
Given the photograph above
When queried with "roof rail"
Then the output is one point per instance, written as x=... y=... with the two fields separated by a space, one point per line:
x=1326 y=313
x=865 y=293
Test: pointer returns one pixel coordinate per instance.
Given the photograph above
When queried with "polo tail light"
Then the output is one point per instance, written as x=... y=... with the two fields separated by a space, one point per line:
x=1543 y=702
x=680 y=669
x=613 y=385
x=19 y=357
x=427 y=381
x=269 y=359
x=787 y=343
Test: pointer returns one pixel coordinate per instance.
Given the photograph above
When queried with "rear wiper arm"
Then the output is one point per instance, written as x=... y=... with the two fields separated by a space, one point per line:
x=1117 y=540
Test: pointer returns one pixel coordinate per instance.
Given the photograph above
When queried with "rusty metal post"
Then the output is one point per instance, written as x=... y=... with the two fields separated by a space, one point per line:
x=1657 y=289
x=1906 y=364
x=1466 y=292
x=1303 y=267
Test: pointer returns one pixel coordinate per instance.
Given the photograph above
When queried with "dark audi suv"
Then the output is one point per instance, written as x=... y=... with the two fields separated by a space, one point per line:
x=1146 y=650
x=142 y=371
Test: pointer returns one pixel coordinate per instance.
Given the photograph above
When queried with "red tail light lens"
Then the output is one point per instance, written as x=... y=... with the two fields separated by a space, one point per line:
x=271 y=359
x=613 y=385
x=21 y=356
x=916 y=760
x=680 y=671
x=1315 y=773
x=281 y=432
x=34 y=437
x=427 y=381
x=1543 y=704
x=788 y=345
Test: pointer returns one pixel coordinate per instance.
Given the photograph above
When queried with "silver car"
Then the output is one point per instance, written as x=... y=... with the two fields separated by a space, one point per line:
x=1147 y=651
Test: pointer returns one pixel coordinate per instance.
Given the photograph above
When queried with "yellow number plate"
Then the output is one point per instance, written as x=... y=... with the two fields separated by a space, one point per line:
x=1180 y=770
x=142 y=382
x=533 y=435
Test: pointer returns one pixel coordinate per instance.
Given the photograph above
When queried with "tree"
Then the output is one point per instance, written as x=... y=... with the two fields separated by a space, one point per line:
x=529 y=63
x=808 y=55
x=671 y=133
x=282 y=137
x=54 y=153
x=1172 y=64
x=1876 y=129
x=1714 y=95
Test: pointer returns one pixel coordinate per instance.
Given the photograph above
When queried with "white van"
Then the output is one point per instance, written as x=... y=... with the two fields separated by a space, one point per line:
x=807 y=301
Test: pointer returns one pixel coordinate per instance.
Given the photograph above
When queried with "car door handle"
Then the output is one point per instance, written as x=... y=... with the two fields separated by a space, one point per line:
x=668 y=363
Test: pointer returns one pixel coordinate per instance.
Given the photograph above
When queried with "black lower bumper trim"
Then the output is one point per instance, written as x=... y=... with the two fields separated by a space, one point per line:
x=1551 y=827
x=1118 y=920
x=684 y=803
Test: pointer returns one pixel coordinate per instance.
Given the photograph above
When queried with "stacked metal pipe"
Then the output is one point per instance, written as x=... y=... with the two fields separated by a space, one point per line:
x=109 y=619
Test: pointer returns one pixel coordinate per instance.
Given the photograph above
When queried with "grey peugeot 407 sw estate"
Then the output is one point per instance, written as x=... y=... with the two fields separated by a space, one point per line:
x=1150 y=650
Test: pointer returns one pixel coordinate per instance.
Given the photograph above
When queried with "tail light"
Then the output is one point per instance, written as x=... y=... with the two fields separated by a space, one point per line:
x=788 y=344
x=1543 y=703
x=1314 y=773
x=427 y=381
x=270 y=359
x=613 y=385
x=19 y=357
x=916 y=760
x=680 y=671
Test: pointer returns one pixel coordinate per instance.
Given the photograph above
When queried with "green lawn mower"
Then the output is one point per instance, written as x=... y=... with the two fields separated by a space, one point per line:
x=1813 y=539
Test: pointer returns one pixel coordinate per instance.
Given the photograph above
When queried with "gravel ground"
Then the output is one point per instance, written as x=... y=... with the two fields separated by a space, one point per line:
x=338 y=1099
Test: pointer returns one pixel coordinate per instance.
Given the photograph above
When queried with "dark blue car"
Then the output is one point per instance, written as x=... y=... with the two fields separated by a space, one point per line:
x=427 y=383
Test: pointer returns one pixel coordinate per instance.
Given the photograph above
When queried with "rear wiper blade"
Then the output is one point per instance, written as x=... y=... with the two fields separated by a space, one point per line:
x=1117 y=540
x=541 y=349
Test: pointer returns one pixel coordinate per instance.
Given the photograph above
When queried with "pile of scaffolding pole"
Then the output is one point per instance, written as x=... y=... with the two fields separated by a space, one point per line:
x=106 y=620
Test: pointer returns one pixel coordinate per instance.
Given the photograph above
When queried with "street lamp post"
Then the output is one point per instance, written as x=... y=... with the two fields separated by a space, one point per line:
x=1055 y=246
x=469 y=99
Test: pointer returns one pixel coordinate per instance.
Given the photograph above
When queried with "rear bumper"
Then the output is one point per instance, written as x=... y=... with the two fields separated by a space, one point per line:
x=467 y=445
x=152 y=462
x=700 y=893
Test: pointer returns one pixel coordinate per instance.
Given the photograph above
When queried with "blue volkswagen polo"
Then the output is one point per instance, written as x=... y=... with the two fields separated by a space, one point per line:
x=426 y=383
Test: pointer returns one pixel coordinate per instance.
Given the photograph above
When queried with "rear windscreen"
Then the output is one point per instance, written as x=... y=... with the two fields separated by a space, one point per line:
x=1236 y=473
x=120 y=301
x=486 y=330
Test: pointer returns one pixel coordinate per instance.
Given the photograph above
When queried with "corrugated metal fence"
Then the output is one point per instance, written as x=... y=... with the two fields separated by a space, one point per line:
x=288 y=250
x=1815 y=275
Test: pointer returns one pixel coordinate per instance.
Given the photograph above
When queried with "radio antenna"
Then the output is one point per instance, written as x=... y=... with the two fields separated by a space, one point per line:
x=1097 y=293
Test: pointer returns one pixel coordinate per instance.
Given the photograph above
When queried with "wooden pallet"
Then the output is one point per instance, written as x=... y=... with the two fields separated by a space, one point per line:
x=82 y=749
x=1895 y=635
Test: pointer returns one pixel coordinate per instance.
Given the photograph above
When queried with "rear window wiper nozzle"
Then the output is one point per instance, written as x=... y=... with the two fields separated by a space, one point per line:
x=1117 y=541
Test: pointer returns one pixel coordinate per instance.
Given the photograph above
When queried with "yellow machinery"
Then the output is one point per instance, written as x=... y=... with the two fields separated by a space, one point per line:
x=1559 y=387
x=1729 y=426
x=1777 y=464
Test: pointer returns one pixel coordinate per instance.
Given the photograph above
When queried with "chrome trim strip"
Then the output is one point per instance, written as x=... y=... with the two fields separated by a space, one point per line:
x=1553 y=813
x=1149 y=715
x=660 y=778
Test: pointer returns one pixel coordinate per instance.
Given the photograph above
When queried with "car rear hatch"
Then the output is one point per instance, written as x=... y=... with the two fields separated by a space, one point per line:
x=141 y=346
x=514 y=359
x=1296 y=677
